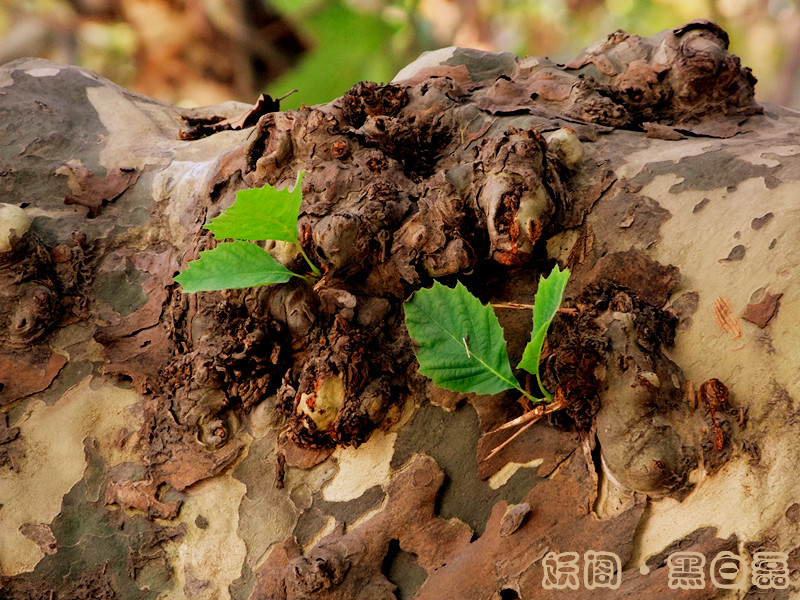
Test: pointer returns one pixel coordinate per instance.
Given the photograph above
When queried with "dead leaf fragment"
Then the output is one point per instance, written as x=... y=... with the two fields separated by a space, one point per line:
x=762 y=312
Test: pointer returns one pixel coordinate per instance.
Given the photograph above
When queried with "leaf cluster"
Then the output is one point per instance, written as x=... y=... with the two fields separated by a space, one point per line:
x=461 y=343
x=259 y=214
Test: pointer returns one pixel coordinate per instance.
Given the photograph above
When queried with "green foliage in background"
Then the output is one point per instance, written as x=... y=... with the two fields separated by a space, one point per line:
x=355 y=40
x=347 y=46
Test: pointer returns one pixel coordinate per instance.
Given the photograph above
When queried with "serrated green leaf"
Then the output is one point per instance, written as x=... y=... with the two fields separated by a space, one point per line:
x=545 y=305
x=261 y=214
x=232 y=265
x=461 y=342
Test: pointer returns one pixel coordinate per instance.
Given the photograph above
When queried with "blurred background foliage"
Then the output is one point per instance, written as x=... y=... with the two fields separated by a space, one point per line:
x=197 y=52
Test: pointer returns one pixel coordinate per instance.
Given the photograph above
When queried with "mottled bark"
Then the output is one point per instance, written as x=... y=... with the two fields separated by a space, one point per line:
x=277 y=442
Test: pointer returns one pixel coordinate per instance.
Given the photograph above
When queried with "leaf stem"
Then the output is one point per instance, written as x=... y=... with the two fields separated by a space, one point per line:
x=305 y=277
x=547 y=394
x=527 y=395
x=314 y=268
x=529 y=418
x=515 y=305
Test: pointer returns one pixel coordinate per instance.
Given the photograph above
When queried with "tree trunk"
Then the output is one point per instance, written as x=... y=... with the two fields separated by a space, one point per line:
x=278 y=442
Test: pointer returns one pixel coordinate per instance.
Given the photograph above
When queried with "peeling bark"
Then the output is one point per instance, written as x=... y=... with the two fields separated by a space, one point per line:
x=277 y=442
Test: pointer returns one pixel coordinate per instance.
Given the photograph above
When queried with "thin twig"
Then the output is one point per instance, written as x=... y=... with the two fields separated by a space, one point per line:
x=529 y=418
x=509 y=440
x=521 y=306
x=515 y=305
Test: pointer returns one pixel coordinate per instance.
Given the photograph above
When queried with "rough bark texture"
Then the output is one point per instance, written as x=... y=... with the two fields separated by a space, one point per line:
x=277 y=442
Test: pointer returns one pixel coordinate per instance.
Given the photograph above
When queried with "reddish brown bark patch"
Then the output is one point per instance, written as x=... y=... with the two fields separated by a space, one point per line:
x=655 y=581
x=560 y=520
x=761 y=312
x=140 y=495
x=303 y=458
x=539 y=441
x=24 y=374
x=348 y=565
x=140 y=344
x=190 y=464
x=31 y=304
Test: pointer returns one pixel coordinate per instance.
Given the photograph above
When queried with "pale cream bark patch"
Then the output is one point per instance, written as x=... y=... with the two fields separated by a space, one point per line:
x=211 y=553
x=54 y=460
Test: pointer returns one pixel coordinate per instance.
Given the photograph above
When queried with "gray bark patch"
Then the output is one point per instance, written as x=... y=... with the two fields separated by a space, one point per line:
x=711 y=170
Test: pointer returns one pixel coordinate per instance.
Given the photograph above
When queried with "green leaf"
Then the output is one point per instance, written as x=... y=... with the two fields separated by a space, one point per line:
x=461 y=342
x=545 y=305
x=232 y=265
x=261 y=214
